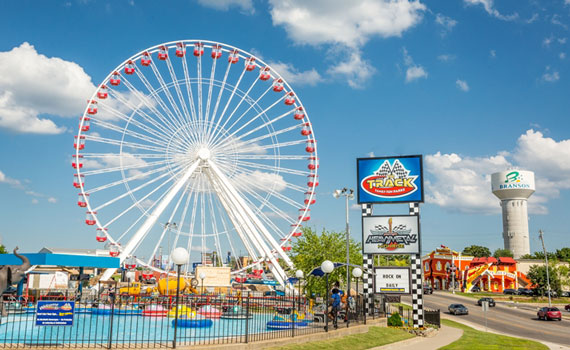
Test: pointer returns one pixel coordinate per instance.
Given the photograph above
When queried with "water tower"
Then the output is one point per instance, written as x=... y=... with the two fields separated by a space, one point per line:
x=513 y=187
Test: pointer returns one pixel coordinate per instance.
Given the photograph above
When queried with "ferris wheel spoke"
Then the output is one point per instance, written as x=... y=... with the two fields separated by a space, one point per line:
x=264 y=125
x=121 y=168
x=215 y=228
x=209 y=98
x=177 y=115
x=189 y=89
x=249 y=172
x=201 y=117
x=134 y=134
x=182 y=219
x=220 y=92
x=126 y=180
x=181 y=99
x=192 y=220
x=227 y=231
x=273 y=168
x=270 y=157
x=265 y=203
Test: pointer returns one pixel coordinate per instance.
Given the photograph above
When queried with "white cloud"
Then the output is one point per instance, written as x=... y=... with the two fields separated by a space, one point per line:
x=446 y=22
x=293 y=76
x=414 y=71
x=547 y=41
x=33 y=85
x=356 y=70
x=464 y=183
x=556 y=20
x=489 y=7
x=550 y=76
x=462 y=85
x=562 y=55
x=562 y=40
x=532 y=19
x=52 y=200
x=371 y=155
x=262 y=180
x=12 y=182
x=246 y=6
x=446 y=57
x=493 y=53
x=35 y=201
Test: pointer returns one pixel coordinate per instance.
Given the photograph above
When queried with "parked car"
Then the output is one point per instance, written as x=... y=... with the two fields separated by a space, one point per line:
x=511 y=291
x=549 y=313
x=565 y=293
x=458 y=309
x=428 y=290
x=567 y=307
x=475 y=289
x=526 y=291
x=490 y=300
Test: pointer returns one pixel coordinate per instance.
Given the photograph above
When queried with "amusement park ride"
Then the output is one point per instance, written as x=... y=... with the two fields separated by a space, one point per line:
x=177 y=133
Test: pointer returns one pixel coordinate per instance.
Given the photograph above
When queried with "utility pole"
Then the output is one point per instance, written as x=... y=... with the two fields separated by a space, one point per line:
x=546 y=261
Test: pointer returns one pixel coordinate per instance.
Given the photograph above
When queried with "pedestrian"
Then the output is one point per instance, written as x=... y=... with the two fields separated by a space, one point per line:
x=335 y=301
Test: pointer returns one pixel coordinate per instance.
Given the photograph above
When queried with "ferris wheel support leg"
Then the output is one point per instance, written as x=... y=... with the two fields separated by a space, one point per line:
x=151 y=220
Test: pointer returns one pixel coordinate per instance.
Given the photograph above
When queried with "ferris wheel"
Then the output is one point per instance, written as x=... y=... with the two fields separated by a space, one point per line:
x=196 y=144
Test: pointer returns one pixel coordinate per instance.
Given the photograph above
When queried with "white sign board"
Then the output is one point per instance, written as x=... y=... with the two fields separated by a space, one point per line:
x=215 y=276
x=394 y=234
x=392 y=280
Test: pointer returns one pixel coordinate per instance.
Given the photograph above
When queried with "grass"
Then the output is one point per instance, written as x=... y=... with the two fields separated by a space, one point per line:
x=376 y=336
x=474 y=340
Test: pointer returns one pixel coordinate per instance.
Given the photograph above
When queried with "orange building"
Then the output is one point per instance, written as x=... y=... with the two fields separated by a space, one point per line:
x=488 y=274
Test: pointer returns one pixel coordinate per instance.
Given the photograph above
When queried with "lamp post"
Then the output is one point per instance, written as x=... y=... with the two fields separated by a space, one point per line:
x=348 y=193
x=299 y=274
x=546 y=262
x=327 y=266
x=357 y=273
x=179 y=257
x=202 y=276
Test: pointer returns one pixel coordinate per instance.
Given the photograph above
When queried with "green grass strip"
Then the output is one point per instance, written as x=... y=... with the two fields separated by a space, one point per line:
x=473 y=339
x=376 y=336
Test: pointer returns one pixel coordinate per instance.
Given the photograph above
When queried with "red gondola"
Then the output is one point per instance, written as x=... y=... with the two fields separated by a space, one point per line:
x=78 y=180
x=102 y=92
x=299 y=113
x=115 y=79
x=145 y=59
x=296 y=231
x=79 y=142
x=286 y=248
x=77 y=162
x=114 y=250
x=86 y=125
x=216 y=51
x=180 y=50
x=147 y=274
x=250 y=64
x=82 y=200
x=163 y=53
x=290 y=98
x=313 y=163
x=278 y=85
x=92 y=108
x=129 y=68
x=130 y=263
x=265 y=73
x=306 y=129
x=308 y=199
x=101 y=235
x=310 y=146
x=312 y=180
x=306 y=216
x=198 y=49
x=233 y=57
x=90 y=218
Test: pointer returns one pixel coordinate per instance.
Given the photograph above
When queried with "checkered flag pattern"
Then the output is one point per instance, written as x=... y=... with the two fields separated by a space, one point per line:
x=414 y=208
x=368 y=264
x=417 y=291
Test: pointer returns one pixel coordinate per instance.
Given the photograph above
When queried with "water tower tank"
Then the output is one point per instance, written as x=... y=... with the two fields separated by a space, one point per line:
x=513 y=188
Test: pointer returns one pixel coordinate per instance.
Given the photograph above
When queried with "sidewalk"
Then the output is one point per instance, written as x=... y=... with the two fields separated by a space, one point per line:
x=446 y=335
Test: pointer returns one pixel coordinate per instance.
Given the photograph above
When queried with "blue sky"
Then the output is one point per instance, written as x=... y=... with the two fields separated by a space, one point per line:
x=476 y=86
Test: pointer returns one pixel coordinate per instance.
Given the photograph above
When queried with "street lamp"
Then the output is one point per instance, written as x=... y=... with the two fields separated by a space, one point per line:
x=299 y=274
x=202 y=276
x=348 y=193
x=356 y=273
x=327 y=266
x=179 y=257
x=546 y=262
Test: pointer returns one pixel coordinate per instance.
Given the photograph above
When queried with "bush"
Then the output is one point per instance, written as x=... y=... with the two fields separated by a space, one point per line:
x=395 y=320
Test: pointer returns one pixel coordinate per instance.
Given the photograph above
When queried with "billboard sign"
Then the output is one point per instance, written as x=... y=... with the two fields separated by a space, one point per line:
x=390 y=180
x=392 y=280
x=394 y=234
x=55 y=313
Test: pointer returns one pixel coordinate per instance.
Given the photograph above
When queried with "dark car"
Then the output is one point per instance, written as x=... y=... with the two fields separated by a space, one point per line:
x=490 y=300
x=458 y=309
x=565 y=293
x=475 y=289
x=526 y=291
x=549 y=313
x=428 y=290
x=511 y=291
x=567 y=307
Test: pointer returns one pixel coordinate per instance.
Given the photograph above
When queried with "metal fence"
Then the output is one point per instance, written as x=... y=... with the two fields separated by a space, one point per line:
x=145 y=322
x=431 y=317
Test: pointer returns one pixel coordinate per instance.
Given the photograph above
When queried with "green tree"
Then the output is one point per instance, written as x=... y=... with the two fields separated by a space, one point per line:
x=311 y=249
x=563 y=254
x=477 y=251
x=499 y=253
x=3 y=249
x=537 y=275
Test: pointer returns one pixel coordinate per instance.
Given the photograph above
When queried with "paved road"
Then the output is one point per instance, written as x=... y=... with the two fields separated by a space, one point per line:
x=504 y=319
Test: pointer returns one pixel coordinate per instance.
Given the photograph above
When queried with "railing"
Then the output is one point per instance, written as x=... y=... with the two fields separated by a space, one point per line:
x=431 y=317
x=149 y=322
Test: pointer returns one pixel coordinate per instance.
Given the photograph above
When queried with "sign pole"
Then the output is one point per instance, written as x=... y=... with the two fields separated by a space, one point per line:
x=485 y=305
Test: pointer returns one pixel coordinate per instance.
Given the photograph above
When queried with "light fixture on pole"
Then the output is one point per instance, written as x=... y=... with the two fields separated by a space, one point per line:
x=179 y=257
x=202 y=275
x=348 y=193
x=327 y=266
x=546 y=262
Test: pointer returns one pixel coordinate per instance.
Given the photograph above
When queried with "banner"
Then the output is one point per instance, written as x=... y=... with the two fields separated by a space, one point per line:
x=392 y=280
x=55 y=313
x=393 y=234
x=390 y=180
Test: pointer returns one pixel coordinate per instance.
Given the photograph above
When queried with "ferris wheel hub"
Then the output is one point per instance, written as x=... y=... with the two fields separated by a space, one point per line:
x=204 y=153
